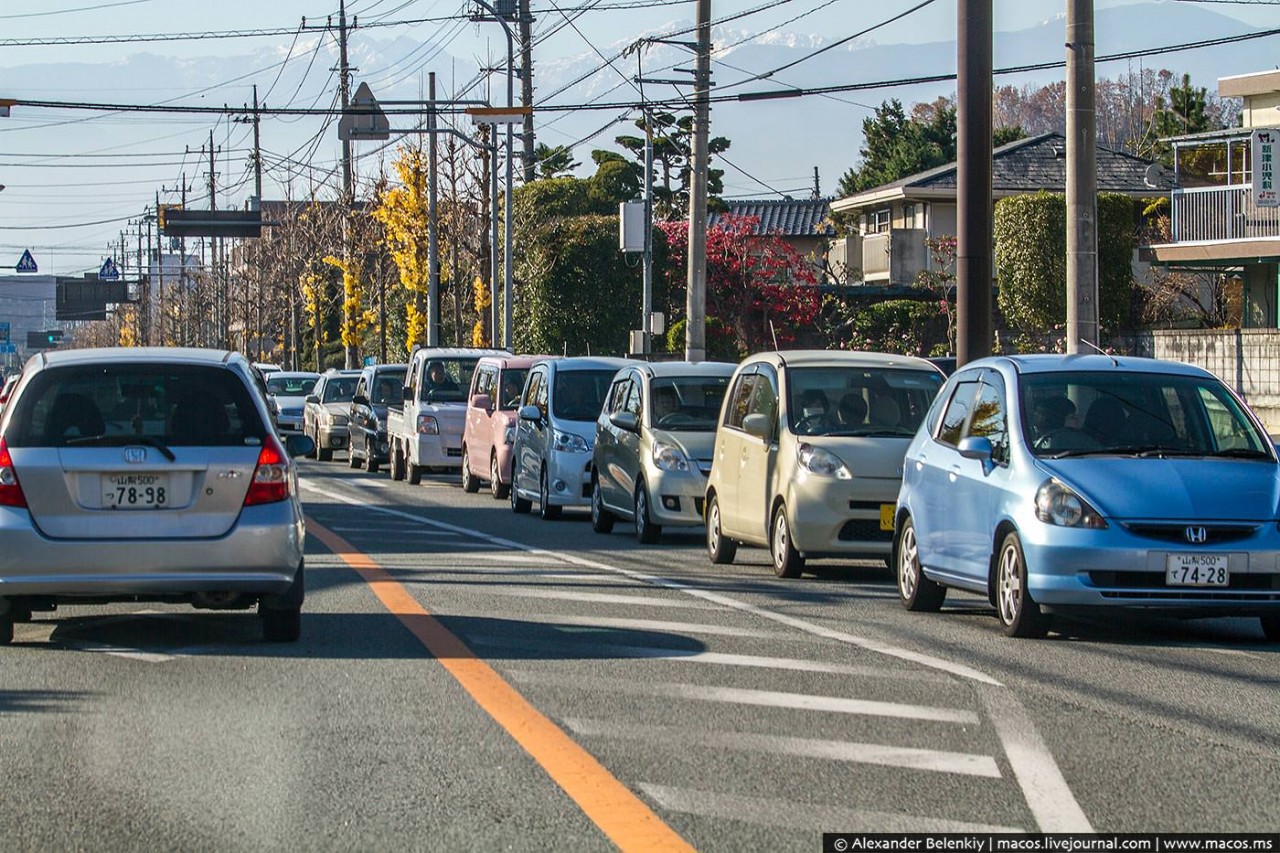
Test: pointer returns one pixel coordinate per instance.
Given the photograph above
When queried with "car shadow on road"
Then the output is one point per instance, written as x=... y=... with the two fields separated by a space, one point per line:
x=43 y=701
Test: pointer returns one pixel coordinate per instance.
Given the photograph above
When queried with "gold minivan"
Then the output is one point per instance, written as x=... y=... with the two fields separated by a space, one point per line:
x=808 y=454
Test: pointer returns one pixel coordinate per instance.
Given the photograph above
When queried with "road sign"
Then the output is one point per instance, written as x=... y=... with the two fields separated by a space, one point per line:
x=364 y=119
x=109 y=271
x=7 y=348
x=26 y=263
x=4 y=332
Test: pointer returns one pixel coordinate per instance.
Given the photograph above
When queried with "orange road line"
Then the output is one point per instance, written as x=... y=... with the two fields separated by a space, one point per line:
x=620 y=814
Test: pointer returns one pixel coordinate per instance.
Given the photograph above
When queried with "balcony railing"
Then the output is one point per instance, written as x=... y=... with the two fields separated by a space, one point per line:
x=1221 y=213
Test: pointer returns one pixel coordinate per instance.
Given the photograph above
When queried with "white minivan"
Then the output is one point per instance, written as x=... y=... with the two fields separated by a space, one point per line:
x=556 y=432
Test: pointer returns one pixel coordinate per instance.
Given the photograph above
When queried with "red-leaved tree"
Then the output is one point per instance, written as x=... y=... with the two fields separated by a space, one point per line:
x=758 y=286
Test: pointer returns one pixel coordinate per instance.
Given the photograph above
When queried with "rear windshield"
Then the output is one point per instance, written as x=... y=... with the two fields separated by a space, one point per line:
x=388 y=386
x=579 y=394
x=192 y=405
x=291 y=386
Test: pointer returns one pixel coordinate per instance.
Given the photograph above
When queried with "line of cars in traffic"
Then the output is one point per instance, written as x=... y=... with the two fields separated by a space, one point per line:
x=1046 y=483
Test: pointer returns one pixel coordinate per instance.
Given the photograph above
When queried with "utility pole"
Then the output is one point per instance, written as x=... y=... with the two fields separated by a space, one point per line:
x=646 y=317
x=220 y=297
x=817 y=185
x=433 y=228
x=526 y=87
x=695 y=334
x=257 y=149
x=974 y=232
x=1082 y=180
x=350 y=354
x=160 y=323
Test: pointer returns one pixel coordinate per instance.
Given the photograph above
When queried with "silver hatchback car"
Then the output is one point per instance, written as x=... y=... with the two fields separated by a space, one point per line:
x=148 y=475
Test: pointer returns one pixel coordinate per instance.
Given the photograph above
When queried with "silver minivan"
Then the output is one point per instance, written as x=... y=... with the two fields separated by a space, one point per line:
x=148 y=475
x=653 y=446
x=556 y=432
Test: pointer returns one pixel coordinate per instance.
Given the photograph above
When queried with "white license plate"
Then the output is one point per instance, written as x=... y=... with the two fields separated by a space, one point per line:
x=1197 y=570
x=135 y=491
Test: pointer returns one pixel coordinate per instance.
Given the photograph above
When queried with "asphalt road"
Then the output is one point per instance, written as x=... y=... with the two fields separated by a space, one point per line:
x=470 y=678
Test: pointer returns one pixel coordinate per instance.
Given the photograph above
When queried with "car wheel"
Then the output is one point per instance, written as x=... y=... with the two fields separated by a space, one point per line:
x=518 y=504
x=1019 y=614
x=720 y=548
x=497 y=488
x=1271 y=627
x=397 y=464
x=353 y=461
x=546 y=510
x=324 y=454
x=413 y=473
x=470 y=484
x=917 y=592
x=787 y=562
x=315 y=446
x=370 y=461
x=601 y=519
x=647 y=532
x=6 y=629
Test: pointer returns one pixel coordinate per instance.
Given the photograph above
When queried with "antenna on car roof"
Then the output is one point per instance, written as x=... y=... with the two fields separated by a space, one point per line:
x=1091 y=345
x=774 y=333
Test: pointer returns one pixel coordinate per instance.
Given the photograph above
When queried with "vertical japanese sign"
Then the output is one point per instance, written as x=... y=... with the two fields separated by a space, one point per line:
x=1264 y=149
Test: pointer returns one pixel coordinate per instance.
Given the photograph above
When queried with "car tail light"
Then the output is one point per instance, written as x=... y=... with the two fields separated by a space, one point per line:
x=271 y=477
x=10 y=489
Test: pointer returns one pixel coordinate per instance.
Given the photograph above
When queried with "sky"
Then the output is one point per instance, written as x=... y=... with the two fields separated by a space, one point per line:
x=54 y=202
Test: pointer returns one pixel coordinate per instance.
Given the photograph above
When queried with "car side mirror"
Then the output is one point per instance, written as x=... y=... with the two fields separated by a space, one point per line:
x=975 y=447
x=530 y=413
x=312 y=398
x=359 y=400
x=297 y=444
x=482 y=401
x=626 y=421
x=761 y=426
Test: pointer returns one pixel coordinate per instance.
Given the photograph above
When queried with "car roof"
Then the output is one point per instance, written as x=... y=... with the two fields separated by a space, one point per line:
x=294 y=374
x=516 y=361
x=842 y=358
x=157 y=355
x=339 y=371
x=1054 y=362
x=658 y=369
x=458 y=352
x=589 y=362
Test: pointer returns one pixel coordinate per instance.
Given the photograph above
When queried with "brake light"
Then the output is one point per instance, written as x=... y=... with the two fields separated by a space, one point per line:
x=10 y=489
x=271 y=477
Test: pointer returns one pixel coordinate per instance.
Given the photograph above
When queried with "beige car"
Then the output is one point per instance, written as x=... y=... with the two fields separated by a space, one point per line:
x=808 y=454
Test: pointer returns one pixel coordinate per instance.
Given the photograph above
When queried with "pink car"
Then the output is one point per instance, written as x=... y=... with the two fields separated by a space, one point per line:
x=487 y=436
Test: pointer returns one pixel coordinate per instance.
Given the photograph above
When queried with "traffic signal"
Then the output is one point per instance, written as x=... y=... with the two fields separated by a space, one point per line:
x=44 y=340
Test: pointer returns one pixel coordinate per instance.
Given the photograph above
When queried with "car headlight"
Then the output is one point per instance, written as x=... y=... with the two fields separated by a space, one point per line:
x=1057 y=504
x=567 y=442
x=815 y=460
x=340 y=420
x=669 y=458
x=509 y=435
x=428 y=425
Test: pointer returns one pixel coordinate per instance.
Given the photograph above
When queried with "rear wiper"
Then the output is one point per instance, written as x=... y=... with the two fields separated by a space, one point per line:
x=121 y=440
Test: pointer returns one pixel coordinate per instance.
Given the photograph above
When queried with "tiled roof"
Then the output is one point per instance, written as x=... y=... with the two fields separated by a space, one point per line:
x=786 y=217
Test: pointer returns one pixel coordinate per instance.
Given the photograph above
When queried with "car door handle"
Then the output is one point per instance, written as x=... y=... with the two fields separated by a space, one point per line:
x=953 y=473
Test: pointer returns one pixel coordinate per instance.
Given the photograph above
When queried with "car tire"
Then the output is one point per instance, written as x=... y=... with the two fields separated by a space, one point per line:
x=787 y=562
x=370 y=461
x=1271 y=626
x=720 y=548
x=315 y=446
x=324 y=454
x=519 y=505
x=601 y=519
x=547 y=511
x=918 y=593
x=397 y=464
x=1018 y=611
x=353 y=461
x=6 y=629
x=413 y=473
x=497 y=488
x=470 y=484
x=647 y=533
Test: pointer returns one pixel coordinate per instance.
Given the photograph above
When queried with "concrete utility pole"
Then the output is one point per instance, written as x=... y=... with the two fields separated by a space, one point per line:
x=1082 y=181
x=350 y=354
x=220 y=309
x=160 y=322
x=433 y=238
x=646 y=318
x=257 y=148
x=974 y=231
x=695 y=333
x=526 y=87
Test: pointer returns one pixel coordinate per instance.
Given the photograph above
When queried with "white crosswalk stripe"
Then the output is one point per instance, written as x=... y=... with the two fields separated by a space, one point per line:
x=605 y=598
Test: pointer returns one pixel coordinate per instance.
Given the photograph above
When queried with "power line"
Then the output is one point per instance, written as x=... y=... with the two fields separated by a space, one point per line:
x=69 y=11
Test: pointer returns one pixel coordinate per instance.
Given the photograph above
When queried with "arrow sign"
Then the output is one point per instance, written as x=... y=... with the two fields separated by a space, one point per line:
x=26 y=263
x=109 y=271
x=364 y=119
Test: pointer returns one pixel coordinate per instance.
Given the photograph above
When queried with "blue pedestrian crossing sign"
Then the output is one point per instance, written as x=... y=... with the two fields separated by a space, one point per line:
x=26 y=263
x=109 y=271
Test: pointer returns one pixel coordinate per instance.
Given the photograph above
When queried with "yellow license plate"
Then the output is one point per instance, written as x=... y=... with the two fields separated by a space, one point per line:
x=886 y=516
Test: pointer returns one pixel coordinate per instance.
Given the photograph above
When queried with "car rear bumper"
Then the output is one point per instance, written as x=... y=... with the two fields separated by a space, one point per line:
x=259 y=555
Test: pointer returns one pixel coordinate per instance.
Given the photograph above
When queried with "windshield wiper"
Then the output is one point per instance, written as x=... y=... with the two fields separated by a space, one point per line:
x=1241 y=453
x=121 y=440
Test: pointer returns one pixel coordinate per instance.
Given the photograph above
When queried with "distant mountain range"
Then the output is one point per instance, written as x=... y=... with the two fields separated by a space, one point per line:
x=775 y=144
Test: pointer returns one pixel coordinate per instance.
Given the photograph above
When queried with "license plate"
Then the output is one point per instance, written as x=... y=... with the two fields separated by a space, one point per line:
x=1197 y=570
x=886 y=516
x=135 y=491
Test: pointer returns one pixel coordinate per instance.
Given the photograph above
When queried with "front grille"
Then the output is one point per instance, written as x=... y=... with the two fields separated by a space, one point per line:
x=1201 y=593
x=864 y=530
x=1156 y=580
x=1214 y=533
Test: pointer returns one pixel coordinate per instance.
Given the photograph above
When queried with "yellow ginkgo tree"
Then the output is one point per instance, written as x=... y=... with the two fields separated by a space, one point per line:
x=402 y=211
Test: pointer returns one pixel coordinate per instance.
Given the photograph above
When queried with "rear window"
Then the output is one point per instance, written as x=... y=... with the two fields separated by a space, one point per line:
x=388 y=386
x=291 y=386
x=183 y=405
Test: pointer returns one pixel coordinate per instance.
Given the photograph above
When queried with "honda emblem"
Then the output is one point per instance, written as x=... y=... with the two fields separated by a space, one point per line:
x=1197 y=535
x=135 y=455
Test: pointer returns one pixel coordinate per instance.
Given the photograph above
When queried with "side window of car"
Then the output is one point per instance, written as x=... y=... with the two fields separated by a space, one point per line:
x=764 y=398
x=531 y=389
x=362 y=386
x=739 y=398
x=633 y=397
x=318 y=390
x=414 y=383
x=989 y=420
x=957 y=413
x=541 y=394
